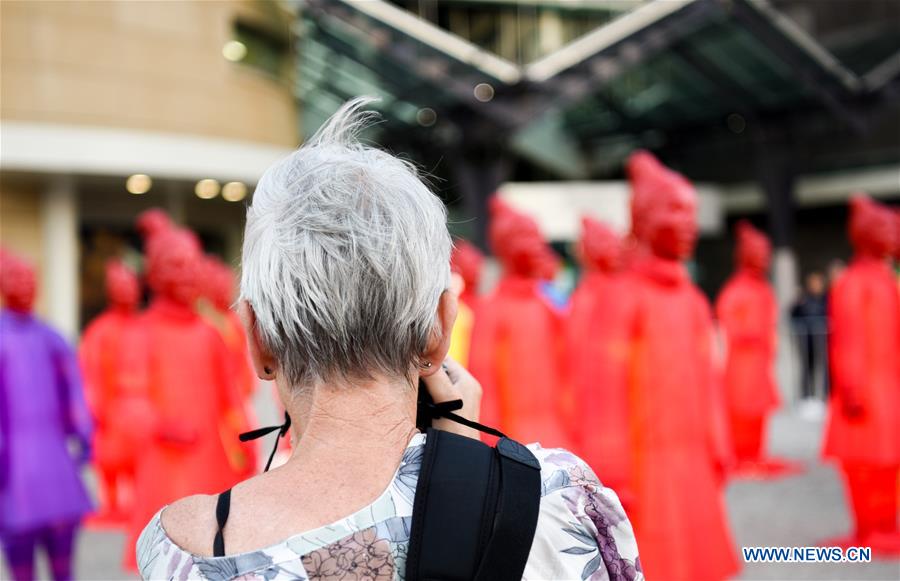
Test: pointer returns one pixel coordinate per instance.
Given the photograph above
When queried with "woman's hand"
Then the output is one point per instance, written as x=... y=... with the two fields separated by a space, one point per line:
x=454 y=382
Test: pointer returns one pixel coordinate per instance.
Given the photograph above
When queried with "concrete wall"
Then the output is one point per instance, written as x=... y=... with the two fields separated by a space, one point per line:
x=20 y=225
x=93 y=91
x=152 y=65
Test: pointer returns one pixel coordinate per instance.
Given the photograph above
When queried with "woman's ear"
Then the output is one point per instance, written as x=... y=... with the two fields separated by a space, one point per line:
x=263 y=362
x=439 y=344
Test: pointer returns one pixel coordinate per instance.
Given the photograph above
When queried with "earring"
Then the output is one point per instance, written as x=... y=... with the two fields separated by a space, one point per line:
x=267 y=370
x=427 y=365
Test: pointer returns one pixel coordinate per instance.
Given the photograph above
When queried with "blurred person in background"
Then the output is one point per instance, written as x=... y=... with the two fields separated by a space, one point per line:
x=346 y=303
x=191 y=445
x=680 y=449
x=596 y=349
x=835 y=269
x=518 y=338
x=809 y=320
x=112 y=375
x=42 y=410
x=863 y=428
x=747 y=311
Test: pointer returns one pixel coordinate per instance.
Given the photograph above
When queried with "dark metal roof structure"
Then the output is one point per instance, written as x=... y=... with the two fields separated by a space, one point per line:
x=664 y=65
x=682 y=77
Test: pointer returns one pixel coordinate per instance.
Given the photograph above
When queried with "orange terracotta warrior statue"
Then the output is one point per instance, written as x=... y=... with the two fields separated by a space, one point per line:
x=678 y=436
x=748 y=314
x=466 y=263
x=596 y=347
x=114 y=374
x=863 y=430
x=190 y=446
x=517 y=340
x=219 y=290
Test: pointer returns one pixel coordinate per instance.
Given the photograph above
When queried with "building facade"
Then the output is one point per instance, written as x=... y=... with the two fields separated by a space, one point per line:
x=171 y=93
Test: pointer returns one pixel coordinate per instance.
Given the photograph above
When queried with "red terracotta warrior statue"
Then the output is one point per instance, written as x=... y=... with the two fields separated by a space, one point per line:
x=748 y=313
x=644 y=182
x=111 y=353
x=517 y=339
x=678 y=436
x=466 y=263
x=596 y=347
x=863 y=429
x=151 y=222
x=219 y=290
x=191 y=447
x=896 y=252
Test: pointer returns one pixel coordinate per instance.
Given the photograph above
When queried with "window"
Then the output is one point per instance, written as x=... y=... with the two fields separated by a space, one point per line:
x=261 y=49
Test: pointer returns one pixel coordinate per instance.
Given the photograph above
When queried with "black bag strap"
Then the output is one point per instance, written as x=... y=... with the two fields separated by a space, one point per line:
x=475 y=510
x=516 y=514
x=223 y=507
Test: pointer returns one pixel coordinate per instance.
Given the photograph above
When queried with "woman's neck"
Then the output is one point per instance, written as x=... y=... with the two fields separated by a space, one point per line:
x=357 y=423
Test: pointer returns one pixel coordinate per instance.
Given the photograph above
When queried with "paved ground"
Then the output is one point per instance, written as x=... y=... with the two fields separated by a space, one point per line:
x=796 y=511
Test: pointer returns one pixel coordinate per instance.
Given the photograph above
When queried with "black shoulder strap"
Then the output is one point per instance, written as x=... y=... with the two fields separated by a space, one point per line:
x=516 y=515
x=475 y=510
x=223 y=506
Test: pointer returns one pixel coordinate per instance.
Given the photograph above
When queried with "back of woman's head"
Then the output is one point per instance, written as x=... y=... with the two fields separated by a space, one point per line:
x=346 y=253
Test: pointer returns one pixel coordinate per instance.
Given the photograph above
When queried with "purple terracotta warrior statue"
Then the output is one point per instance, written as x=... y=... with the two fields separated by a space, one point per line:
x=42 y=407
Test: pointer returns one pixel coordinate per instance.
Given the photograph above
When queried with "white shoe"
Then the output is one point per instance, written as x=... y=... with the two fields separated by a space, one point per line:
x=811 y=409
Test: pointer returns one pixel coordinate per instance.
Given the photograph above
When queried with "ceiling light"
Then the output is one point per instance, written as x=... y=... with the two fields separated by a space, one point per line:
x=207 y=189
x=138 y=183
x=234 y=191
x=234 y=51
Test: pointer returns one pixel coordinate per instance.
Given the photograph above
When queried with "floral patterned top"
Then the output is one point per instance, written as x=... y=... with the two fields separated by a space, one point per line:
x=582 y=533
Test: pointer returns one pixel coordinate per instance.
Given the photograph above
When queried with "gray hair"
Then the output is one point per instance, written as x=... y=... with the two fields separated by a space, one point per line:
x=346 y=253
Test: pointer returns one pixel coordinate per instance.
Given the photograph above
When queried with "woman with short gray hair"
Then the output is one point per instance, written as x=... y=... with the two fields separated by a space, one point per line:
x=346 y=302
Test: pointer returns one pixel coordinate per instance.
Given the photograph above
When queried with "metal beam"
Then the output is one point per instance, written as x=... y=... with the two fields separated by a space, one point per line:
x=721 y=83
x=815 y=77
x=405 y=53
x=569 y=86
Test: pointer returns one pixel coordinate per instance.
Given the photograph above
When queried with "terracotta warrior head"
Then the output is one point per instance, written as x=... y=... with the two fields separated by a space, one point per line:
x=872 y=227
x=663 y=207
x=753 y=251
x=174 y=264
x=152 y=222
x=468 y=262
x=518 y=244
x=123 y=289
x=18 y=283
x=599 y=248
x=648 y=179
x=218 y=283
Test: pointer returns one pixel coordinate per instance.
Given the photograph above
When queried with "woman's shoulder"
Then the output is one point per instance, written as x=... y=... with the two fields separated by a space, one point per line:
x=560 y=468
x=175 y=534
x=582 y=527
x=190 y=523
